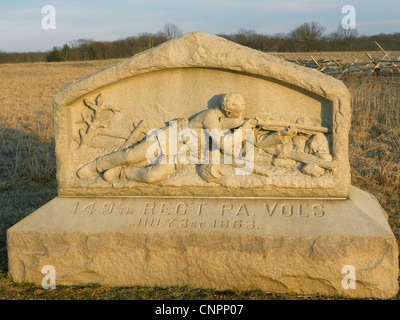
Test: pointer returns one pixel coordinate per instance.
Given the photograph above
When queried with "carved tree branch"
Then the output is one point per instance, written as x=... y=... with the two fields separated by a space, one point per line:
x=93 y=122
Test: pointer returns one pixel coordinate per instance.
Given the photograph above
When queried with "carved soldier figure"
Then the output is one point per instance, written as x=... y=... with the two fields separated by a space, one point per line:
x=132 y=162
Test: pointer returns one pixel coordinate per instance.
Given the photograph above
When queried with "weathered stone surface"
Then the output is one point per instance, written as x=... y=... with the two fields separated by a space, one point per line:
x=279 y=245
x=181 y=78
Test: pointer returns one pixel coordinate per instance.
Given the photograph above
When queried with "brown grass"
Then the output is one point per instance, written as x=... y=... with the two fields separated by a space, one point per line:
x=27 y=165
x=374 y=147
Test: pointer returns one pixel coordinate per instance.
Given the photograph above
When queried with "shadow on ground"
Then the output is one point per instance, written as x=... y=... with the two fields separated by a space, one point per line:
x=27 y=179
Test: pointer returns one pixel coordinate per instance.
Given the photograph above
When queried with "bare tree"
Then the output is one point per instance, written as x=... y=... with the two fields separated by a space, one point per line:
x=171 y=31
x=82 y=49
x=308 y=36
x=345 y=37
x=61 y=54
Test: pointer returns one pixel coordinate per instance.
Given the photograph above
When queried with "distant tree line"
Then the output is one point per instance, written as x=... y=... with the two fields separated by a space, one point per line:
x=309 y=37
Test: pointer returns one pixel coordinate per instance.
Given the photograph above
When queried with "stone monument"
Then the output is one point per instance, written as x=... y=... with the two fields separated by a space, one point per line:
x=205 y=163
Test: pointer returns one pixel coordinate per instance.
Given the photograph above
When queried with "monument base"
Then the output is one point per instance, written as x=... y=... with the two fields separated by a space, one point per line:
x=307 y=246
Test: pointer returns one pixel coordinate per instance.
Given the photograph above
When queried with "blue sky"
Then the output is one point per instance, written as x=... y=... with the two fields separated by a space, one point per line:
x=21 y=20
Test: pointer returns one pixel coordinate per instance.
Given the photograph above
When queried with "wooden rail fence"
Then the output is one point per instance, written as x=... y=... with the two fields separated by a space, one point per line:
x=383 y=67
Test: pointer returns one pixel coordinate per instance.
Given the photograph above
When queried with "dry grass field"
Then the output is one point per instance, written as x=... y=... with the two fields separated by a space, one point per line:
x=27 y=165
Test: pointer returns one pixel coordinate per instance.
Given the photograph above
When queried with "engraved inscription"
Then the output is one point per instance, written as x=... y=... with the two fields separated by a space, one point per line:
x=187 y=215
x=104 y=208
x=300 y=210
x=234 y=224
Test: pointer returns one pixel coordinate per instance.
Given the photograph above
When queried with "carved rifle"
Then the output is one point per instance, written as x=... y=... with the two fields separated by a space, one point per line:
x=138 y=132
x=277 y=125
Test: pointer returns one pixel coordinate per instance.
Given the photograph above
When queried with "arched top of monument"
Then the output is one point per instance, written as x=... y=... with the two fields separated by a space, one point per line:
x=202 y=50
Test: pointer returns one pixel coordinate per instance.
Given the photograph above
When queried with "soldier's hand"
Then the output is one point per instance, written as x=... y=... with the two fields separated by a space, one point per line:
x=250 y=123
x=289 y=131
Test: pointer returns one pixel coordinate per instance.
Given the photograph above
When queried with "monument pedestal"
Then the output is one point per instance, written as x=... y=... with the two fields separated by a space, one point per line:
x=276 y=245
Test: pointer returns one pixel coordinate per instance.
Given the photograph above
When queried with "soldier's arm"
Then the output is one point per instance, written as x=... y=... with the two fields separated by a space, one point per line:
x=231 y=123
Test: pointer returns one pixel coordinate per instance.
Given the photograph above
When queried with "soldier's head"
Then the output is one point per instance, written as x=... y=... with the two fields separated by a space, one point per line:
x=233 y=105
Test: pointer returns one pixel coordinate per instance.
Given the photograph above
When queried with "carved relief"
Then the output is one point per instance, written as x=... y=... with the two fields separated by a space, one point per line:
x=216 y=142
